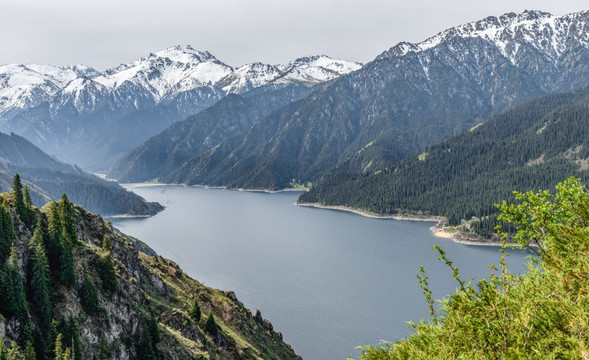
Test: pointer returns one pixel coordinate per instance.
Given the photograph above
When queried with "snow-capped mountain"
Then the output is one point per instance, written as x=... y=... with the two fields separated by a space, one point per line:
x=161 y=76
x=409 y=97
x=309 y=70
x=40 y=102
x=511 y=33
x=248 y=77
x=169 y=72
x=26 y=86
x=316 y=69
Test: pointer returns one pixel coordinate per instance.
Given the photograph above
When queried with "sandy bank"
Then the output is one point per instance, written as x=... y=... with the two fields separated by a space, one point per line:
x=438 y=230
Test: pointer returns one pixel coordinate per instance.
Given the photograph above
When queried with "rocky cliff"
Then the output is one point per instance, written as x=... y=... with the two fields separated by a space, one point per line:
x=145 y=311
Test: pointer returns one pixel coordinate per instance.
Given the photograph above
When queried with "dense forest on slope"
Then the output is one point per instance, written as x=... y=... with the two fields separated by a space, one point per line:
x=543 y=314
x=48 y=178
x=74 y=288
x=408 y=98
x=534 y=145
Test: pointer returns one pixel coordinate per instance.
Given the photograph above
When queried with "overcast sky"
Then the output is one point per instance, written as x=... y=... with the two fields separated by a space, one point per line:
x=106 y=33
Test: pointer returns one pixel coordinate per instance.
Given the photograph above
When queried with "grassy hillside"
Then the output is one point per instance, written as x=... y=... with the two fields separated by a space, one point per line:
x=542 y=314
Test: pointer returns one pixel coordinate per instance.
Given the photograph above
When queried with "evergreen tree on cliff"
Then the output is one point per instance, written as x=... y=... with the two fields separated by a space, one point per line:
x=19 y=201
x=13 y=300
x=39 y=281
x=28 y=202
x=107 y=272
x=60 y=248
x=7 y=234
x=67 y=221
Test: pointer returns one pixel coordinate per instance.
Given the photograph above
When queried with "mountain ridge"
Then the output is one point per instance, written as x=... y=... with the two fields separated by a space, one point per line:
x=534 y=145
x=85 y=104
x=48 y=178
x=402 y=102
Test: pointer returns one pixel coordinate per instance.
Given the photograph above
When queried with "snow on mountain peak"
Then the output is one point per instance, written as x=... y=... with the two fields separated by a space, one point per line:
x=315 y=69
x=25 y=86
x=168 y=72
x=309 y=70
x=247 y=77
x=158 y=76
x=508 y=32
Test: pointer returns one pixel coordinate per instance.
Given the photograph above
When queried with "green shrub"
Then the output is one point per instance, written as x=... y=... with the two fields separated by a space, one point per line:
x=541 y=314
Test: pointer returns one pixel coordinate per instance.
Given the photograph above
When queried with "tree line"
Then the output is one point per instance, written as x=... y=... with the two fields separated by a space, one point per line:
x=535 y=145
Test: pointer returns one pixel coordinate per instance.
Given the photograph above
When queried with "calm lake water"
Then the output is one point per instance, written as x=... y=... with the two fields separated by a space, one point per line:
x=328 y=280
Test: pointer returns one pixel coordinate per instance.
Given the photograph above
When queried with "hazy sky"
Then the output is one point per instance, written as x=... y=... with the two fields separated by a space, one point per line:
x=105 y=33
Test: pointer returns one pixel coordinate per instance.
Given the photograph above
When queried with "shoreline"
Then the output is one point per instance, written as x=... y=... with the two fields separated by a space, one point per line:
x=437 y=229
x=147 y=184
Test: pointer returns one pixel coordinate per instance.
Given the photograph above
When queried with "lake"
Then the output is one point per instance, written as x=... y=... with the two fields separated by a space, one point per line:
x=328 y=280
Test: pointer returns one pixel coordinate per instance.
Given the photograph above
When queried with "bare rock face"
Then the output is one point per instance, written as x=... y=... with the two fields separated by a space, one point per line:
x=231 y=295
x=258 y=316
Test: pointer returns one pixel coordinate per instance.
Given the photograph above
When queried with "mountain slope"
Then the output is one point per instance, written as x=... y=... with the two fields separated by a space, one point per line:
x=230 y=117
x=407 y=98
x=534 y=145
x=45 y=102
x=119 y=303
x=49 y=178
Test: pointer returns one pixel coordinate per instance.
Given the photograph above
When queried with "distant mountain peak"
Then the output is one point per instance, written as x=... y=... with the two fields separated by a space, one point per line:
x=185 y=54
x=509 y=32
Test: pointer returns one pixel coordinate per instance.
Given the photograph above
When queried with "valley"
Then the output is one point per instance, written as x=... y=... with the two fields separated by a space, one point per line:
x=477 y=135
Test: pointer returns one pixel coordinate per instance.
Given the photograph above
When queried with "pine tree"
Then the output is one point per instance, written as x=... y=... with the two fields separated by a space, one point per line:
x=7 y=233
x=87 y=293
x=54 y=237
x=195 y=312
x=154 y=329
x=67 y=221
x=19 y=203
x=61 y=352
x=145 y=347
x=13 y=299
x=39 y=280
x=211 y=326
x=59 y=248
x=70 y=333
x=29 y=352
x=106 y=245
x=67 y=272
x=107 y=272
x=28 y=203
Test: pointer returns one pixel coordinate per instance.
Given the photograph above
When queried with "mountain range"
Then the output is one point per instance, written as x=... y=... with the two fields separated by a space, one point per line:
x=532 y=146
x=409 y=97
x=48 y=178
x=70 y=111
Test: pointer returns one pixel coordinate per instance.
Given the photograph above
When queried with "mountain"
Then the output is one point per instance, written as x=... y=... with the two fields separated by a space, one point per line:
x=532 y=146
x=43 y=103
x=409 y=97
x=73 y=287
x=230 y=117
x=49 y=178
x=26 y=86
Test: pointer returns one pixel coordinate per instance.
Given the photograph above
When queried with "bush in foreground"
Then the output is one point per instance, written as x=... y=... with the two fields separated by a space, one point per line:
x=541 y=314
